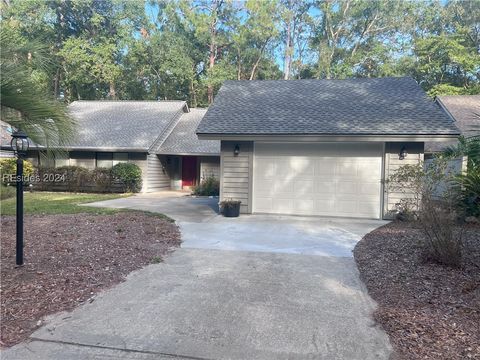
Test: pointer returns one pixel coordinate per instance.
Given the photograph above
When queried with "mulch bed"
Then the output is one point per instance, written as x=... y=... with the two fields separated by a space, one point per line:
x=429 y=311
x=69 y=258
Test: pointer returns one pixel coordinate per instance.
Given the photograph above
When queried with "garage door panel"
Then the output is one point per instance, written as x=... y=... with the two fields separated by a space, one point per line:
x=346 y=169
x=265 y=187
x=284 y=186
x=324 y=168
x=263 y=204
x=283 y=206
x=304 y=206
x=346 y=187
x=325 y=187
x=315 y=179
x=369 y=188
x=304 y=187
x=267 y=165
x=324 y=206
x=346 y=206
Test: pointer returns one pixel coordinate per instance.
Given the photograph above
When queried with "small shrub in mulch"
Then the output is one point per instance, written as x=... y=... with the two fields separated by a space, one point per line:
x=429 y=310
x=69 y=258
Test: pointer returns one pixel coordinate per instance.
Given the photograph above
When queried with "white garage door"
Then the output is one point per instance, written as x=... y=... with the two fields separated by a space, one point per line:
x=331 y=179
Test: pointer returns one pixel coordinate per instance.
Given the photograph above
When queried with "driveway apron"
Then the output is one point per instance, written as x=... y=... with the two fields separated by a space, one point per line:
x=256 y=287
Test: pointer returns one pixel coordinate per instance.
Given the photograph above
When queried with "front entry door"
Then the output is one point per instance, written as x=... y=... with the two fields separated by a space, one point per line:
x=189 y=171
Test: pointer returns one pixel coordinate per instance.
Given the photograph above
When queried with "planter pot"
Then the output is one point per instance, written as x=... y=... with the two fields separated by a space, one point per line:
x=232 y=210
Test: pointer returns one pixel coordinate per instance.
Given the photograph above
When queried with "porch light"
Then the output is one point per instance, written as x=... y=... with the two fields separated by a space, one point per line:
x=19 y=143
x=236 y=150
x=403 y=153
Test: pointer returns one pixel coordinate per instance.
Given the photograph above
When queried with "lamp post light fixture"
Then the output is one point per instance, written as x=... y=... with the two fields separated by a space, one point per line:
x=19 y=145
x=403 y=153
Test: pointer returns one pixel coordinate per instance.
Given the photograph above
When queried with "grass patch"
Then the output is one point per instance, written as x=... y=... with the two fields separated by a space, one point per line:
x=7 y=192
x=42 y=203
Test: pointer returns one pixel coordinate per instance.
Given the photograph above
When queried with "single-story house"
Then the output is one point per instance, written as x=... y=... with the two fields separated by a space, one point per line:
x=5 y=138
x=320 y=147
x=465 y=112
x=158 y=136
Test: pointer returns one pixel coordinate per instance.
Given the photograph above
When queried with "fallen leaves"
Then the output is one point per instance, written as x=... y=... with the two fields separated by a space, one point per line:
x=69 y=258
x=429 y=311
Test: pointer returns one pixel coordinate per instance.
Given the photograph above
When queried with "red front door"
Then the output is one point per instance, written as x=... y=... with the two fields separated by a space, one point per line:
x=189 y=171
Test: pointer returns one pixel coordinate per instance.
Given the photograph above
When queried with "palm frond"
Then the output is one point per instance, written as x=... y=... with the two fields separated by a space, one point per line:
x=44 y=119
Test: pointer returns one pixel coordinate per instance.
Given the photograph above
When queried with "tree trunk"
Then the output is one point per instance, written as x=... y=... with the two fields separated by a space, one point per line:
x=288 y=58
x=193 y=95
x=112 y=93
x=210 y=66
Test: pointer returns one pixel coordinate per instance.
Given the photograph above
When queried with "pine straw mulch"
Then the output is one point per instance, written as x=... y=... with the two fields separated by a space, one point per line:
x=69 y=258
x=428 y=310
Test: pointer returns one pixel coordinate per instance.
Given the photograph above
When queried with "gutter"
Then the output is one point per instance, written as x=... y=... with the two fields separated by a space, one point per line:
x=327 y=138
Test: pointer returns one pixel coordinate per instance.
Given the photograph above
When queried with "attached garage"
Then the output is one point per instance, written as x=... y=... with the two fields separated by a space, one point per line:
x=321 y=147
x=332 y=179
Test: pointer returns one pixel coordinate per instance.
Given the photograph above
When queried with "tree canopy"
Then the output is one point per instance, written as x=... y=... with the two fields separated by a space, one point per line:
x=185 y=49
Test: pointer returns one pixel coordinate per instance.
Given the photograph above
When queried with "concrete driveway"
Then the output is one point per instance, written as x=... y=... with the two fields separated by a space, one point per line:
x=248 y=288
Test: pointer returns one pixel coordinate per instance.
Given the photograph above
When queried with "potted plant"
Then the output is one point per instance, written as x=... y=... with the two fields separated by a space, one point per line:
x=230 y=208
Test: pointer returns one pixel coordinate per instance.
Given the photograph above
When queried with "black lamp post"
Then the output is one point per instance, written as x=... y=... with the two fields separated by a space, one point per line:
x=20 y=147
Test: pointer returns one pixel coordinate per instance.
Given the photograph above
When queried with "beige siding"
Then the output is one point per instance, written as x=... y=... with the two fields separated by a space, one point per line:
x=237 y=172
x=140 y=159
x=392 y=163
x=209 y=166
x=157 y=175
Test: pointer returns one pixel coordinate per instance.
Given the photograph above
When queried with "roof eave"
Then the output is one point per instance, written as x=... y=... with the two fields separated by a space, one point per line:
x=93 y=148
x=329 y=137
x=180 y=153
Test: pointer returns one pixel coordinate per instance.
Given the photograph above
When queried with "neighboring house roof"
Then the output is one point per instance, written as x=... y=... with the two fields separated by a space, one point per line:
x=465 y=110
x=123 y=125
x=381 y=106
x=5 y=134
x=184 y=141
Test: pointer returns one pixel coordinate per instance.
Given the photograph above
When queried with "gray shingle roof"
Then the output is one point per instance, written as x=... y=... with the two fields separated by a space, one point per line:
x=382 y=106
x=122 y=124
x=465 y=109
x=183 y=139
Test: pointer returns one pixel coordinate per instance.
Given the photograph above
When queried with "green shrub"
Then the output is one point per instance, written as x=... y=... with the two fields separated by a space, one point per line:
x=8 y=170
x=130 y=175
x=7 y=192
x=468 y=186
x=102 y=178
x=75 y=179
x=208 y=187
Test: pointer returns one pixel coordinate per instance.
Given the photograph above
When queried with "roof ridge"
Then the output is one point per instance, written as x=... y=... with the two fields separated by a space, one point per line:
x=163 y=136
x=126 y=101
x=326 y=80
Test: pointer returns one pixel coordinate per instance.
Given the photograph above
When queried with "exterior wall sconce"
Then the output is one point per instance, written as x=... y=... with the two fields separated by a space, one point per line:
x=236 y=150
x=403 y=153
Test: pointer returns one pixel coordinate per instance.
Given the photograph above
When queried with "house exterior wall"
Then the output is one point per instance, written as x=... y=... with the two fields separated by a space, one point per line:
x=209 y=166
x=157 y=178
x=392 y=163
x=84 y=159
x=5 y=154
x=237 y=173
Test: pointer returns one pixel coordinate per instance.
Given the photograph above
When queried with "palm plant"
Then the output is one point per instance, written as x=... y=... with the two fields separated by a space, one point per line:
x=23 y=105
x=468 y=183
x=469 y=147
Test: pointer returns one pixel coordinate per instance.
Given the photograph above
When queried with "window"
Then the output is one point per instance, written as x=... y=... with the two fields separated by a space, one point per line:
x=120 y=158
x=104 y=160
x=62 y=160
x=108 y=159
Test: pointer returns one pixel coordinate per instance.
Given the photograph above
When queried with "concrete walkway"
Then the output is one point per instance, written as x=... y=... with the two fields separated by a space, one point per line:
x=211 y=299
